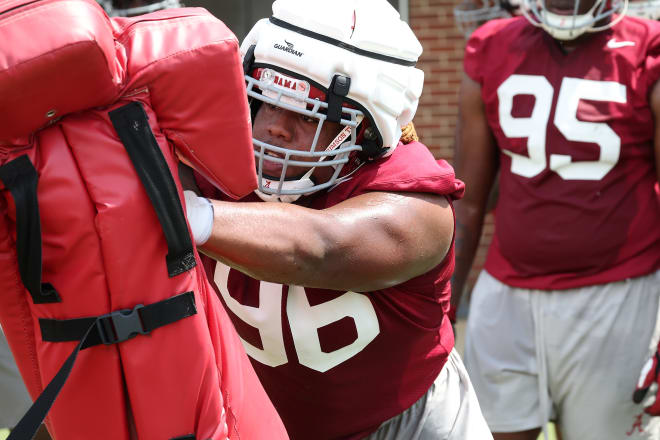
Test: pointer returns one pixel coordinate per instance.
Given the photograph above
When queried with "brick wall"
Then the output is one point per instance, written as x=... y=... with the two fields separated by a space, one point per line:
x=433 y=23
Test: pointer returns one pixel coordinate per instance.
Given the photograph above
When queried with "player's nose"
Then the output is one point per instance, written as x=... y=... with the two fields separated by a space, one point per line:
x=282 y=126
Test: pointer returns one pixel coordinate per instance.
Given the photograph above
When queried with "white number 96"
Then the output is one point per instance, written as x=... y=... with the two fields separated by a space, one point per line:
x=304 y=320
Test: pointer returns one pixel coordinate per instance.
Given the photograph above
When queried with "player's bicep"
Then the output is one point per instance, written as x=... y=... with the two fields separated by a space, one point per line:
x=389 y=238
x=475 y=159
x=655 y=106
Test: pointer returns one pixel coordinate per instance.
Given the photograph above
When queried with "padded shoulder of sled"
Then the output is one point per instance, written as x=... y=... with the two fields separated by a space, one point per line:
x=57 y=57
x=190 y=63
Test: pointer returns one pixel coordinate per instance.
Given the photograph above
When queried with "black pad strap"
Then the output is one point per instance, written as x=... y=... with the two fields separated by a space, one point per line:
x=30 y=422
x=185 y=437
x=87 y=332
x=132 y=126
x=337 y=92
x=120 y=325
x=21 y=178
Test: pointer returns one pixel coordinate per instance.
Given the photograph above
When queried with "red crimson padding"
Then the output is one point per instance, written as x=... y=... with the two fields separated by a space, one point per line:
x=103 y=246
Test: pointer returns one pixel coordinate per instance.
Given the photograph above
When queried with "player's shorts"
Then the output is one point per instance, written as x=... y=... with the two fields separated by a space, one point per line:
x=14 y=399
x=448 y=411
x=574 y=355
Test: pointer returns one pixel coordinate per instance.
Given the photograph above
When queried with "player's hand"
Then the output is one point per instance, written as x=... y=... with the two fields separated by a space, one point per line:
x=647 y=385
x=199 y=211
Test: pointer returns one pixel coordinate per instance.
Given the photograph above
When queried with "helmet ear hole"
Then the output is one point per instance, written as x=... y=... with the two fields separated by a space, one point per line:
x=368 y=138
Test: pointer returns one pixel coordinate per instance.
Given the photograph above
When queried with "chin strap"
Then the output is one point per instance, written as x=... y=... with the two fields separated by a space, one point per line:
x=289 y=185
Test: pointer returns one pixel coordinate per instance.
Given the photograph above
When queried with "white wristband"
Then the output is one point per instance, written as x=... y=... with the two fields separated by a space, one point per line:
x=199 y=211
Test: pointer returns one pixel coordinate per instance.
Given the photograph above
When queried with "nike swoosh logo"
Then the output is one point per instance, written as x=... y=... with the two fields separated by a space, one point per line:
x=613 y=44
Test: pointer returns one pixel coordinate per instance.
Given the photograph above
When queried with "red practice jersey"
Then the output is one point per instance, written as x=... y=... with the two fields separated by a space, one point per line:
x=338 y=364
x=577 y=203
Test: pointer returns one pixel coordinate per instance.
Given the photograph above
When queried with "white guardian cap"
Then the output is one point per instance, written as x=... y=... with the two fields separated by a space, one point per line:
x=346 y=61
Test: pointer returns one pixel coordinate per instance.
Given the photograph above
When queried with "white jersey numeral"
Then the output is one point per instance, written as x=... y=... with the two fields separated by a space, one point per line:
x=534 y=128
x=571 y=92
x=266 y=318
x=304 y=321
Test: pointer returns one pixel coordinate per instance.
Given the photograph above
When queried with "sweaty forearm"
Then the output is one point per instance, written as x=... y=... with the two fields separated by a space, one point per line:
x=272 y=242
x=469 y=223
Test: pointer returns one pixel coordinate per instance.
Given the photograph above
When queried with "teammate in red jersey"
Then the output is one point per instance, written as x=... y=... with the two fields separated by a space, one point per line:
x=341 y=294
x=565 y=104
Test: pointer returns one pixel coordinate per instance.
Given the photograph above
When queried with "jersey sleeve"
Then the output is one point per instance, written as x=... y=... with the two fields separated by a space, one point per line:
x=490 y=42
x=472 y=53
x=476 y=49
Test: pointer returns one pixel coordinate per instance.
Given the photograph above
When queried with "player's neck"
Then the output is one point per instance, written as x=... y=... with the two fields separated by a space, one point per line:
x=568 y=46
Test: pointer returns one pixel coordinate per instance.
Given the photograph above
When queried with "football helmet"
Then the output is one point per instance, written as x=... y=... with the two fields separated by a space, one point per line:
x=570 y=26
x=644 y=9
x=469 y=15
x=131 y=8
x=350 y=62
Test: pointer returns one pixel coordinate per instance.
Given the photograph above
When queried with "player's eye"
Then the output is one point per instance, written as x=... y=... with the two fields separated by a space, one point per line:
x=306 y=118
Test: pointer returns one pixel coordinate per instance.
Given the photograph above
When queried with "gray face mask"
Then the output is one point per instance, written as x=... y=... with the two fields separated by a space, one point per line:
x=600 y=16
x=296 y=99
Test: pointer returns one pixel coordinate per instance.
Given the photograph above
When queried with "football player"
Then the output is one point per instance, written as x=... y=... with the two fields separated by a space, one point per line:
x=565 y=103
x=336 y=272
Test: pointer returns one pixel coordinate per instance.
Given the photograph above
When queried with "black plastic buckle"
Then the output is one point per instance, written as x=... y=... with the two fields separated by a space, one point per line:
x=121 y=325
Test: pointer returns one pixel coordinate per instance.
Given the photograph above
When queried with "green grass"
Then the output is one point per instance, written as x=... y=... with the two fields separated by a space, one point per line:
x=552 y=434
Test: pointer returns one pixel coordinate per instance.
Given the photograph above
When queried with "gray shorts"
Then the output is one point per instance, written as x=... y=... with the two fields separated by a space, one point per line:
x=573 y=354
x=448 y=411
x=14 y=399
